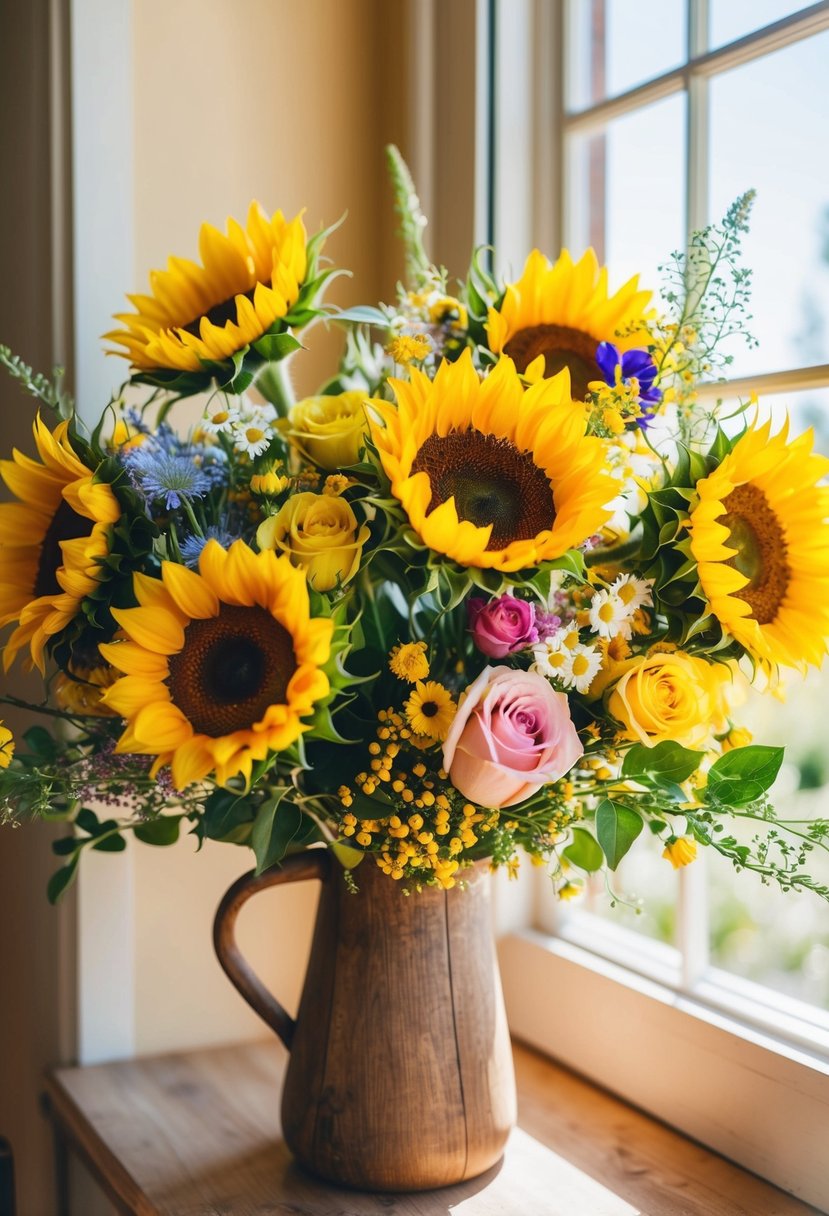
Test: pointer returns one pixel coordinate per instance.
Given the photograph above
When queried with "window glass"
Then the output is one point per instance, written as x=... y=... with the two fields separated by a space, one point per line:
x=628 y=191
x=761 y=933
x=616 y=45
x=766 y=123
x=732 y=19
x=642 y=895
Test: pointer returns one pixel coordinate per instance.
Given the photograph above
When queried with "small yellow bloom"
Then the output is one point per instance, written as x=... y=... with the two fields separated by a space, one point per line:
x=613 y=420
x=268 y=484
x=407 y=349
x=6 y=746
x=330 y=429
x=336 y=484
x=680 y=851
x=409 y=662
x=321 y=534
x=430 y=710
x=738 y=736
x=570 y=890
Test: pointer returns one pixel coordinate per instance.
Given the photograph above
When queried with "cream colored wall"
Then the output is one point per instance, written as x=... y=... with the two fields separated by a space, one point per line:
x=288 y=102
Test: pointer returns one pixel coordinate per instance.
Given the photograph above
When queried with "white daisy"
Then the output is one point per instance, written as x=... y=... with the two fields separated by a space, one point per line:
x=552 y=657
x=584 y=663
x=610 y=616
x=220 y=419
x=632 y=591
x=252 y=439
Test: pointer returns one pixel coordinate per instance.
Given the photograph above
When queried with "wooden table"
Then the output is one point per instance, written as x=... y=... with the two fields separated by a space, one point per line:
x=198 y=1135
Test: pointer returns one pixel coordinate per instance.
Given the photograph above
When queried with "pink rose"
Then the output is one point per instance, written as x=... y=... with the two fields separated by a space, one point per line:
x=511 y=735
x=502 y=626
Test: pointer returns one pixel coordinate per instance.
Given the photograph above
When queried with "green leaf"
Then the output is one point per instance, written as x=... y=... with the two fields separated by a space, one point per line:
x=39 y=741
x=274 y=828
x=346 y=854
x=274 y=347
x=65 y=845
x=87 y=821
x=161 y=831
x=617 y=827
x=110 y=844
x=362 y=314
x=743 y=775
x=227 y=817
x=584 y=851
x=667 y=760
x=61 y=879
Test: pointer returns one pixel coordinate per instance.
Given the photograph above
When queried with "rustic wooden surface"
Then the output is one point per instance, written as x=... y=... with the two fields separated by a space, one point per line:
x=198 y=1135
x=413 y=1033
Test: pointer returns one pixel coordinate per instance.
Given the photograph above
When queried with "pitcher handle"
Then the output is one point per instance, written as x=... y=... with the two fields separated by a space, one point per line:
x=315 y=863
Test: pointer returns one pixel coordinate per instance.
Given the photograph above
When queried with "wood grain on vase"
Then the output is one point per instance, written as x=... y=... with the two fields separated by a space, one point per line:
x=401 y=1074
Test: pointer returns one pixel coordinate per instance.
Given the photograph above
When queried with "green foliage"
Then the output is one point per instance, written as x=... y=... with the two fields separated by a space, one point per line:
x=412 y=219
x=742 y=776
x=584 y=851
x=617 y=826
x=49 y=392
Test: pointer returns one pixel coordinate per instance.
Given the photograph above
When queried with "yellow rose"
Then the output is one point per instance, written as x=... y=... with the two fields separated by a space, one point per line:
x=330 y=429
x=320 y=533
x=670 y=696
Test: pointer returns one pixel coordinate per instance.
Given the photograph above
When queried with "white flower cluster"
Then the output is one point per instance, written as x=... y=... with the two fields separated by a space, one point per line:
x=249 y=424
x=563 y=657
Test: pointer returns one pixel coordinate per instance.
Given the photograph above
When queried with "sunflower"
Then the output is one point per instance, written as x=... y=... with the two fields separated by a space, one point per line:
x=220 y=665
x=757 y=535
x=563 y=311
x=51 y=541
x=490 y=473
x=248 y=280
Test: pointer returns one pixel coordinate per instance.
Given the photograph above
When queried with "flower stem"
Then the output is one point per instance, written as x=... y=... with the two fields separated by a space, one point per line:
x=274 y=383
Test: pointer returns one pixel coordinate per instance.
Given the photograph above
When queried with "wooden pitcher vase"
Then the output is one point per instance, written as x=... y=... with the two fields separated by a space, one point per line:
x=400 y=1074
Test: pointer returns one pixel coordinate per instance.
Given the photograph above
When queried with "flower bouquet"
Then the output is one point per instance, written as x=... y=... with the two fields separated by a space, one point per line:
x=493 y=590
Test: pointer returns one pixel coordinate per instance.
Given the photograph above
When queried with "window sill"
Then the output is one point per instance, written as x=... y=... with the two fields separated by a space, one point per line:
x=750 y=1096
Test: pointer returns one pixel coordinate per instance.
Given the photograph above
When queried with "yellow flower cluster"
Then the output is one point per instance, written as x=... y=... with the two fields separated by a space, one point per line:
x=614 y=405
x=429 y=826
x=406 y=349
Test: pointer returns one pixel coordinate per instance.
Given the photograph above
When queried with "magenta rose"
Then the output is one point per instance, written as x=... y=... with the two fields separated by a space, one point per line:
x=511 y=735
x=501 y=626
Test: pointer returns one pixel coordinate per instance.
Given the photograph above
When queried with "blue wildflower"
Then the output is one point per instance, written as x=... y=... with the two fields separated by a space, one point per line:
x=157 y=474
x=634 y=365
x=191 y=548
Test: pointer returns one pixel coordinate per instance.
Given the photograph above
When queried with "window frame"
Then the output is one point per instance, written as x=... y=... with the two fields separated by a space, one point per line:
x=749 y=1069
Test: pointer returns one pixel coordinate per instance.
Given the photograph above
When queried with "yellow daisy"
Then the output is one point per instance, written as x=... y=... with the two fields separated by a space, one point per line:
x=562 y=312
x=758 y=534
x=488 y=472
x=220 y=665
x=51 y=540
x=430 y=709
x=247 y=280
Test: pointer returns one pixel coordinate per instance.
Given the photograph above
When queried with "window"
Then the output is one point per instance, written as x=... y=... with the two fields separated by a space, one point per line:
x=643 y=120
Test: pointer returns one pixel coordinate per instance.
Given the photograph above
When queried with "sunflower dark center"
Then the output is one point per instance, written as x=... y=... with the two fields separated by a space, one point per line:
x=65 y=524
x=219 y=314
x=756 y=534
x=491 y=481
x=429 y=709
x=561 y=347
x=232 y=668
